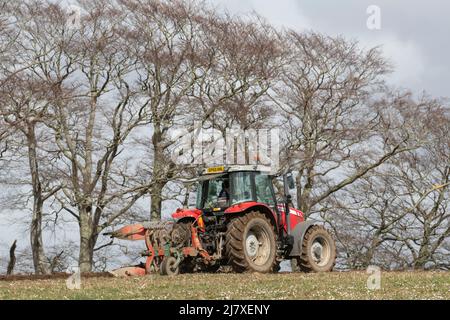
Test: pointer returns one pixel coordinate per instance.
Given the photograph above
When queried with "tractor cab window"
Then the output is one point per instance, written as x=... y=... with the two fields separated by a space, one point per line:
x=242 y=187
x=264 y=191
x=214 y=193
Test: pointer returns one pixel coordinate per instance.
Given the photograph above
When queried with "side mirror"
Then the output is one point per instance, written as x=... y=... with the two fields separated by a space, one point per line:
x=289 y=199
x=290 y=181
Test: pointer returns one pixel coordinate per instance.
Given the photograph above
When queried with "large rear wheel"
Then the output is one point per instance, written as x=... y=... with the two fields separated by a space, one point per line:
x=318 y=251
x=251 y=244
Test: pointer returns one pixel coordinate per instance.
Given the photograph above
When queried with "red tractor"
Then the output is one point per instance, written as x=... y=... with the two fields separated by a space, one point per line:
x=237 y=221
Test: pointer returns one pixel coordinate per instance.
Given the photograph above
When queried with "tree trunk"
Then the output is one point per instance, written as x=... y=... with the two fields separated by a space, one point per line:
x=422 y=258
x=88 y=238
x=156 y=202
x=41 y=265
x=305 y=205
x=158 y=172
x=299 y=190
x=12 y=259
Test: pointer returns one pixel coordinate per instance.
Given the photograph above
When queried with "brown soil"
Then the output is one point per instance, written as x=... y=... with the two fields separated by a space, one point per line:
x=20 y=277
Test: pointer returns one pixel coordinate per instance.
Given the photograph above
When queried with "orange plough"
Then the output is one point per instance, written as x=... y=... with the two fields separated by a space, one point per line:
x=161 y=255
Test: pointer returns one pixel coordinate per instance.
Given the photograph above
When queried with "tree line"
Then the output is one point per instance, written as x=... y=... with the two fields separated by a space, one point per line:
x=87 y=105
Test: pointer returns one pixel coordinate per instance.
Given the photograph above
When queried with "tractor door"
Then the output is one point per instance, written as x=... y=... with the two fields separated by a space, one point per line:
x=242 y=187
x=265 y=193
x=264 y=190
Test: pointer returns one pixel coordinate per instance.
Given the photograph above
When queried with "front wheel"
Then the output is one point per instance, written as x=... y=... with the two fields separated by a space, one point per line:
x=318 y=251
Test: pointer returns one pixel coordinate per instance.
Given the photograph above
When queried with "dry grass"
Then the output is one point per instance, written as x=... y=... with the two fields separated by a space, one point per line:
x=294 y=286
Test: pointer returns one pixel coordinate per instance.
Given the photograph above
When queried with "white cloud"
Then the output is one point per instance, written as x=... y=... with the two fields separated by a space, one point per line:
x=406 y=56
x=281 y=13
x=285 y=13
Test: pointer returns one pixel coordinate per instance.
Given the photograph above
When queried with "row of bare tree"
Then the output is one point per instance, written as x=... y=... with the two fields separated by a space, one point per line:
x=88 y=100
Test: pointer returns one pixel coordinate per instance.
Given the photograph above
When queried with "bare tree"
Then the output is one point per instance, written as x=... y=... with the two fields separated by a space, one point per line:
x=77 y=75
x=25 y=111
x=24 y=108
x=190 y=68
x=331 y=129
x=249 y=59
x=6 y=41
x=166 y=40
x=424 y=183
x=92 y=126
x=175 y=62
x=398 y=215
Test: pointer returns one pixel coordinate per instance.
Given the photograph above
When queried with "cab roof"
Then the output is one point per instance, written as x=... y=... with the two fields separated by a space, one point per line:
x=237 y=168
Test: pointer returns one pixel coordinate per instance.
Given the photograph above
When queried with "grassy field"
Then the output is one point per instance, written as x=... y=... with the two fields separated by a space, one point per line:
x=294 y=286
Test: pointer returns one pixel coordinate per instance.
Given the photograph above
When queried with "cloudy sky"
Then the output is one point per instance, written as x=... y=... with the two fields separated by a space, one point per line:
x=415 y=35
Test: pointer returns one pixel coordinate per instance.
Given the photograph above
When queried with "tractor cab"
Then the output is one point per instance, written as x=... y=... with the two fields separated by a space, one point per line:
x=221 y=188
x=244 y=188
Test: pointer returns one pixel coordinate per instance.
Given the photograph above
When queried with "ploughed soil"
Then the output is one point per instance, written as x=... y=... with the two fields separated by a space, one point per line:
x=54 y=276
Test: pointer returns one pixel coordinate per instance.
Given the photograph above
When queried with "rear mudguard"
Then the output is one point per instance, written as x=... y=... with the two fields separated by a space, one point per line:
x=299 y=234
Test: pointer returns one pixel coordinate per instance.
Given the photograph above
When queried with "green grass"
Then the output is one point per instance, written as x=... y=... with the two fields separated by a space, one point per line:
x=294 y=286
